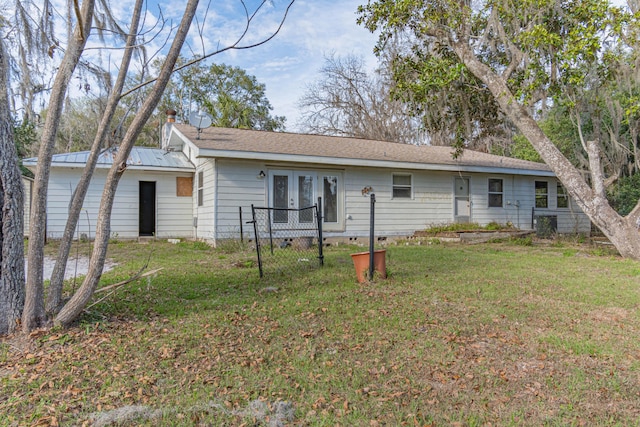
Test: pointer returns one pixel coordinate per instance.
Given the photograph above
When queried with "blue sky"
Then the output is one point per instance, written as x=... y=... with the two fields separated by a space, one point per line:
x=313 y=29
x=286 y=64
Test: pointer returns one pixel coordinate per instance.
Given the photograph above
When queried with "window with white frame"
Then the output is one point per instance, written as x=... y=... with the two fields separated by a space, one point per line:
x=542 y=194
x=495 y=193
x=200 y=188
x=402 y=188
x=330 y=198
x=562 y=197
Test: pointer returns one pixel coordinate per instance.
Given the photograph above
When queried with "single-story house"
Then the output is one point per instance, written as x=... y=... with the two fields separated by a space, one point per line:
x=149 y=201
x=196 y=184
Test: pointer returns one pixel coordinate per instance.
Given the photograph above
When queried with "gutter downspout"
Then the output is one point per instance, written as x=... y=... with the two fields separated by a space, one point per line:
x=215 y=203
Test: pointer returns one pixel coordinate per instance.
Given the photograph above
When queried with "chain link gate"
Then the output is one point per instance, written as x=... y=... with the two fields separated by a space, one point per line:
x=288 y=240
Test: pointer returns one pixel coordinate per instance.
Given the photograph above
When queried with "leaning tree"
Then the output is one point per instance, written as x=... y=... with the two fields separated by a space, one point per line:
x=526 y=54
x=67 y=313
x=83 y=16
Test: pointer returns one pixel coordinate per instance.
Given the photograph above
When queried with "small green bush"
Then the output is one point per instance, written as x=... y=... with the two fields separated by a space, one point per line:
x=467 y=226
x=493 y=226
x=522 y=241
x=453 y=227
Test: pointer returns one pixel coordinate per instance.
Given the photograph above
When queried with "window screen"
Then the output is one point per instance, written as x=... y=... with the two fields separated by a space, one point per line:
x=401 y=186
x=200 y=188
x=495 y=193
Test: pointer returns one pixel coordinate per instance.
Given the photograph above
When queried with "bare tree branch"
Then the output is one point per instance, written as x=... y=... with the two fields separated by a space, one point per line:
x=233 y=46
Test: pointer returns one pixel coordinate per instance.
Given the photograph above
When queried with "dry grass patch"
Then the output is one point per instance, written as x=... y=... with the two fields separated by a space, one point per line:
x=495 y=334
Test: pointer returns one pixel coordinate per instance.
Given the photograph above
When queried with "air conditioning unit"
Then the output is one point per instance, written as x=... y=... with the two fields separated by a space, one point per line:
x=545 y=225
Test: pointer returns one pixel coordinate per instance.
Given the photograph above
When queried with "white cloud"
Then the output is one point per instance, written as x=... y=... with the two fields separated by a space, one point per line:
x=286 y=64
x=313 y=30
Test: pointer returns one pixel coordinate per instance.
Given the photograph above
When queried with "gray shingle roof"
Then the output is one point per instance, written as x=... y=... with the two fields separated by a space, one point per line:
x=242 y=143
x=140 y=157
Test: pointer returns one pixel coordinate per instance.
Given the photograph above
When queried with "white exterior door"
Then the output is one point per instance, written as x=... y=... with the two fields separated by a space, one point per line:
x=292 y=190
x=462 y=200
x=296 y=189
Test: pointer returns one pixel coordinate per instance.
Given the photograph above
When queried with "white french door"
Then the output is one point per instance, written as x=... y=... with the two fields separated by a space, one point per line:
x=292 y=190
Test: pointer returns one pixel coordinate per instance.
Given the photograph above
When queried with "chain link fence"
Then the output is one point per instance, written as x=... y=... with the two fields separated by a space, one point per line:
x=287 y=240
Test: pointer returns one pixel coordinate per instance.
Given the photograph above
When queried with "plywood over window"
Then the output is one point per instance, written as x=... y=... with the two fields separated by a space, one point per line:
x=184 y=186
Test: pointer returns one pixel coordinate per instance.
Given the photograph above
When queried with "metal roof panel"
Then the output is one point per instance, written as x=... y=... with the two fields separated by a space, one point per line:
x=142 y=157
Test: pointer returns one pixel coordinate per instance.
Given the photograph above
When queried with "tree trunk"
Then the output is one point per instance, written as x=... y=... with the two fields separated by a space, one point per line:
x=79 y=300
x=34 y=315
x=622 y=232
x=11 y=215
x=54 y=298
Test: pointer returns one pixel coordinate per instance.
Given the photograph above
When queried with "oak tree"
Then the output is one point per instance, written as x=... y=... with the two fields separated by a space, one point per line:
x=228 y=94
x=526 y=54
x=347 y=100
x=11 y=214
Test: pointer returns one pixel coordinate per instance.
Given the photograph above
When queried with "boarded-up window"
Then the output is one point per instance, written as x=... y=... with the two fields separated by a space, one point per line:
x=184 y=186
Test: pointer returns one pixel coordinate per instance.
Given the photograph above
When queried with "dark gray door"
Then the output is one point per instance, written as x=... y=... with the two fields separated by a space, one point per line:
x=147 y=223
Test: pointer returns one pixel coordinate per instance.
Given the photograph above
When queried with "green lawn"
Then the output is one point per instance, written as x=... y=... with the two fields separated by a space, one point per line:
x=493 y=334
